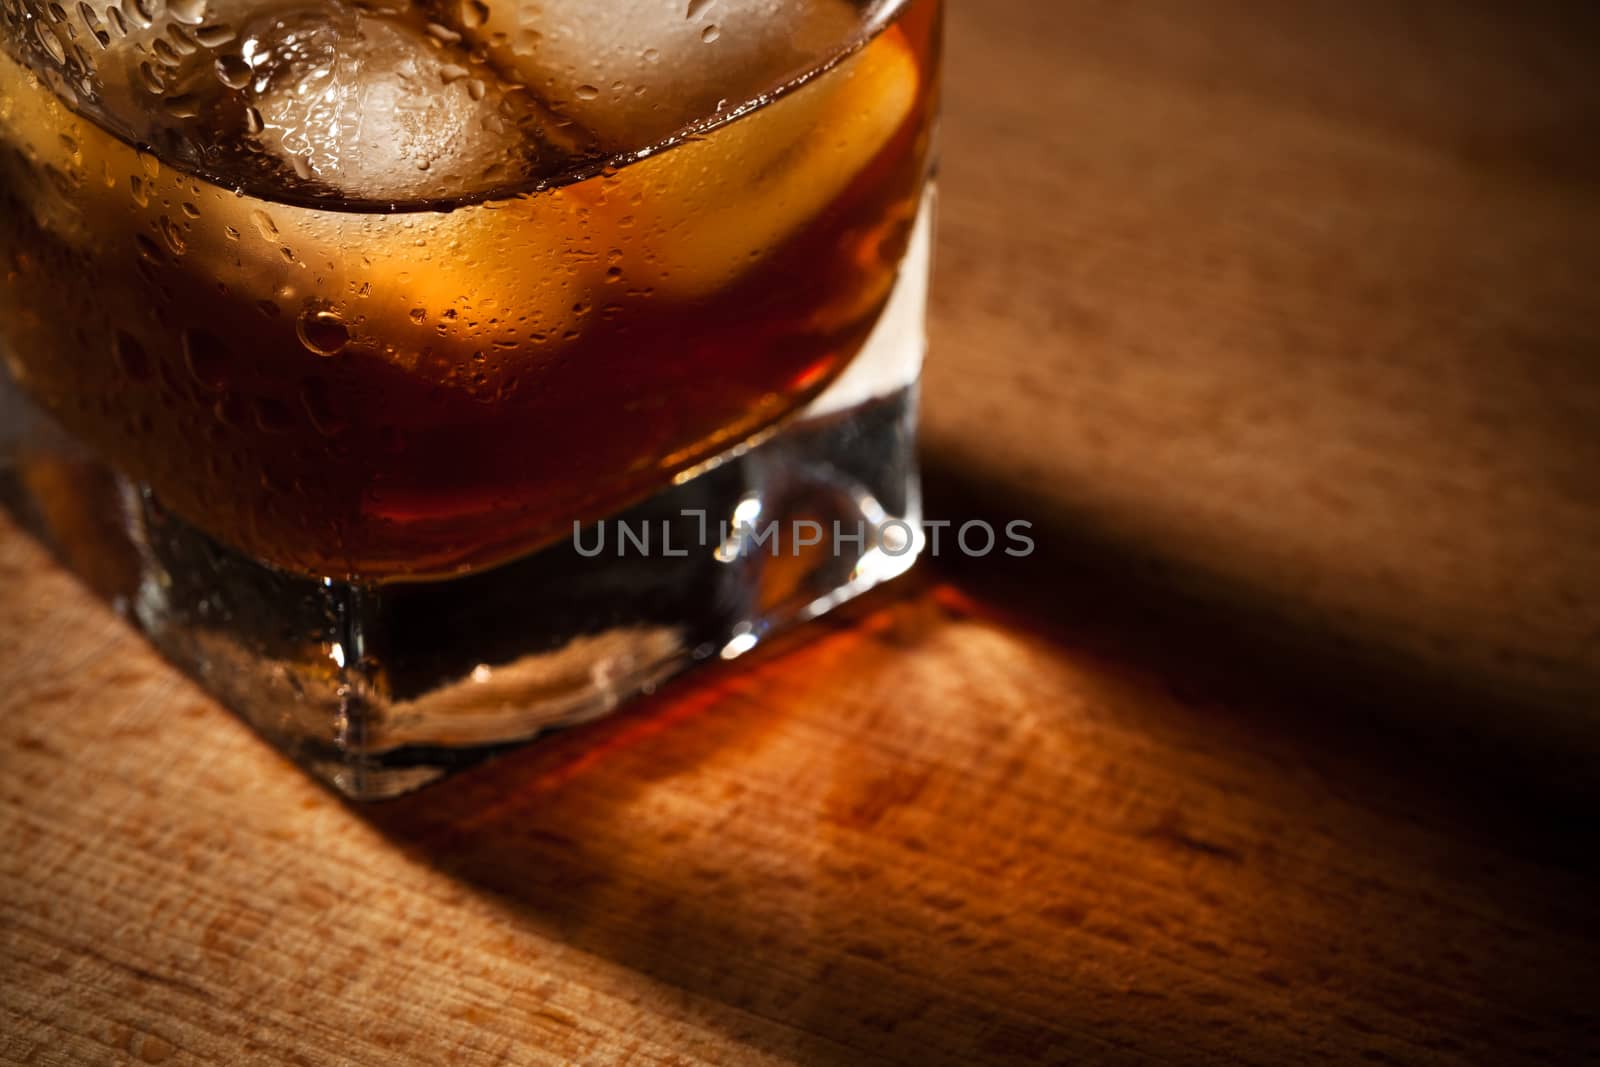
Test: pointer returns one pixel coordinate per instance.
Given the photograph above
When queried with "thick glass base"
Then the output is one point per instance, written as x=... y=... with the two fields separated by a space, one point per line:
x=381 y=689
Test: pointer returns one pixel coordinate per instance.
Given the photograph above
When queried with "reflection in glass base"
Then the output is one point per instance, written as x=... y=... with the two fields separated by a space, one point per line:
x=381 y=689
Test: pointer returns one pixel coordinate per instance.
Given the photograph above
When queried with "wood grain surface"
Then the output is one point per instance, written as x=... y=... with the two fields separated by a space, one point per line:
x=1279 y=320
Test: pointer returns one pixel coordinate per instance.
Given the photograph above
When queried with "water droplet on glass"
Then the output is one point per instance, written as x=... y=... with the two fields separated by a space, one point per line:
x=233 y=71
x=150 y=79
x=587 y=92
x=474 y=13
x=231 y=410
x=271 y=415
x=698 y=7
x=215 y=35
x=206 y=357
x=165 y=54
x=318 y=405
x=710 y=33
x=253 y=123
x=173 y=236
x=50 y=42
x=322 y=331
x=181 y=40
x=264 y=225
x=131 y=357
x=183 y=106
x=91 y=21
x=192 y=12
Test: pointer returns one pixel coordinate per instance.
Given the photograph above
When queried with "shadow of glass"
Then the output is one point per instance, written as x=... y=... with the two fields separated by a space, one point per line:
x=1423 y=732
x=1047 y=809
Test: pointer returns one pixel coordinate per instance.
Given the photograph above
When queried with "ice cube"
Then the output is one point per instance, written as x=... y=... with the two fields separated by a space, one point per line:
x=467 y=298
x=714 y=207
x=376 y=109
x=632 y=72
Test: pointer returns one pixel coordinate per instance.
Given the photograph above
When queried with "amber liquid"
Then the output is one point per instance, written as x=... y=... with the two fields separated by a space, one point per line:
x=379 y=395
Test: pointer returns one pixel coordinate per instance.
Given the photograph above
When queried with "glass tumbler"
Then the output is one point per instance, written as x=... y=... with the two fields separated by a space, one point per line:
x=423 y=375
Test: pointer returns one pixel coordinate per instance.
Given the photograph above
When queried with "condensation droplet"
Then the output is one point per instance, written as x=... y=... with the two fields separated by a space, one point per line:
x=264 y=225
x=173 y=236
x=587 y=92
x=183 y=106
x=322 y=331
x=474 y=13
x=233 y=71
x=91 y=21
x=271 y=415
x=117 y=20
x=192 y=12
x=206 y=357
x=319 y=407
x=419 y=315
x=145 y=11
x=230 y=409
x=697 y=8
x=149 y=251
x=50 y=42
x=190 y=210
x=253 y=122
x=710 y=33
x=215 y=35
x=131 y=357
x=165 y=54
x=182 y=41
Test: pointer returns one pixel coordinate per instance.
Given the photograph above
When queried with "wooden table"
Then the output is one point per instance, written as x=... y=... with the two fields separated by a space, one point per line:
x=1280 y=321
